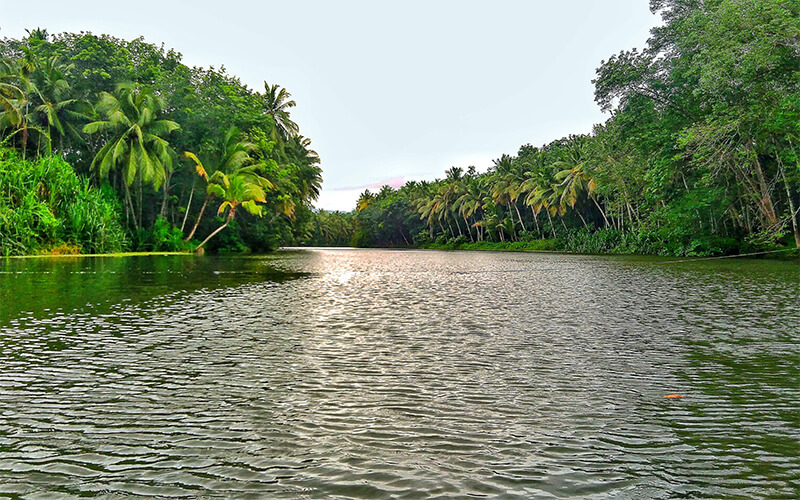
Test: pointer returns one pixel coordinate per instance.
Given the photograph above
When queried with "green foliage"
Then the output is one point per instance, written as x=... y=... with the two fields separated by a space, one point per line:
x=701 y=154
x=44 y=205
x=147 y=105
x=163 y=237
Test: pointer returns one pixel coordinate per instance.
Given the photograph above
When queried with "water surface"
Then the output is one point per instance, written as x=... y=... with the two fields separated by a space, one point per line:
x=369 y=374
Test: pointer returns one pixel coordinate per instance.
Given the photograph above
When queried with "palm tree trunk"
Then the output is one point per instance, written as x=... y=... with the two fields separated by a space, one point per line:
x=188 y=206
x=466 y=223
x=139 y=199
x=582 y=219
x=550 y=218
x=129 y=205
x=520 y=218
x=199 y=216
x=220 y=228
x=536 y=222
x=24 y=141
x=601 y=210
x=511 y=217
x=166 y=194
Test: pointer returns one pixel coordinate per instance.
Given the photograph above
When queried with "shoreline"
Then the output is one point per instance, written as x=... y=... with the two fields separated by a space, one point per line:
x=85 y=255
x=783 y=254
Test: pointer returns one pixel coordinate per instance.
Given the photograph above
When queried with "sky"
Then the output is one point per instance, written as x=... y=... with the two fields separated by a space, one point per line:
x=387 y=91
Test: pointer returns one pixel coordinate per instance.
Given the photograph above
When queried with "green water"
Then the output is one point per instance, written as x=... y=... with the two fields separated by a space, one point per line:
x=373 y=374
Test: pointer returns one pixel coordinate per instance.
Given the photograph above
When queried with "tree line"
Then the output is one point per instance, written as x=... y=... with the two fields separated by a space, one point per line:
x=171 y=155
x=700 y=155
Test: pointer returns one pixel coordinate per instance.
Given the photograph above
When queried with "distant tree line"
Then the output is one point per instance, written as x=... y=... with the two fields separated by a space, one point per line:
x=700 y=155
x=175 y=154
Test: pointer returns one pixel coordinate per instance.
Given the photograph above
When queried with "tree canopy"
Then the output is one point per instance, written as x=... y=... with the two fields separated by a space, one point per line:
x=122 y=113
x=700 y=154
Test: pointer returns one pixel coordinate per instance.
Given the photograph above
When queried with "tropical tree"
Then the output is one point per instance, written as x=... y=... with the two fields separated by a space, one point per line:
x=54 y=109
x=232 y=153
x=135 y=142
x=244 y=188
x=276 y=102
x=10 y=97
x=16 y=104
x=578 y=181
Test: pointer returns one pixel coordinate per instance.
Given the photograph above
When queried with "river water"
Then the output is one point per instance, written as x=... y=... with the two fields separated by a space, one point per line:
x=413 y=374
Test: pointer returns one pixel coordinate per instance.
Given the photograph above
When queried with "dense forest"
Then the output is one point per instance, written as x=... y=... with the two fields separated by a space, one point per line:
x=700 y=155
x=109 y=145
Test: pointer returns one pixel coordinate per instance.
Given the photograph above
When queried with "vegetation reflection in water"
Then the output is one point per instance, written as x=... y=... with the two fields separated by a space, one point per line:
x=66 y=284
x=402 y=373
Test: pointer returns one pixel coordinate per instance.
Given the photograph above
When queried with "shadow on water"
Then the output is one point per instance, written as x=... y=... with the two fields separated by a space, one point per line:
x=44 y=286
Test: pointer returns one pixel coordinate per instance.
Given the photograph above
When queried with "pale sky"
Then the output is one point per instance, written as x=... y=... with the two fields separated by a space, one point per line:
x=387 y=91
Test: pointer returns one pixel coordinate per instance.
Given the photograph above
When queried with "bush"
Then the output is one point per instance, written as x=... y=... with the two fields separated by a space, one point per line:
x=165 y=238
x=458 y=240
x=44 y=205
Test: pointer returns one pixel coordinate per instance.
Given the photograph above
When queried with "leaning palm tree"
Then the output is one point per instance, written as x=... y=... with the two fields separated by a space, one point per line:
x=136 y=143
x=232 y=153
x=242 y=188
x=576 y=181
x=542 y=197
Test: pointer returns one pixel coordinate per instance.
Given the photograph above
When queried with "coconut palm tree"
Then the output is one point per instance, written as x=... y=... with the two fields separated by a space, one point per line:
x=524 y=189
x=242 y=188
x=576 y=181
x=54 y=110
x=35 y=96
x=276 y=102
x=135 y=140
x=15 y=102
x=469 y=203
x=543 y=197
x=10 y=96
x=365 y=199
x=231 y=154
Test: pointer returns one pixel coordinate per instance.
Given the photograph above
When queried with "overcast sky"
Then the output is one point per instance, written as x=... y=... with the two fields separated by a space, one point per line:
x=387 y=91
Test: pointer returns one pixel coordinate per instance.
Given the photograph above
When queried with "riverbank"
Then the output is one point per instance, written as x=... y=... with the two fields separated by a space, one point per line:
x=547 y=245
x=555 y=246
x=85 y=255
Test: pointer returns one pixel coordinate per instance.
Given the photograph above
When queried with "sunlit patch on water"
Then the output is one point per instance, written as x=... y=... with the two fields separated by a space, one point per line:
x=414 y=374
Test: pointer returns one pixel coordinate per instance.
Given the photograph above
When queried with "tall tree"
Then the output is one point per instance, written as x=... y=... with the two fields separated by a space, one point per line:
x=276 y=102
x=134 y=140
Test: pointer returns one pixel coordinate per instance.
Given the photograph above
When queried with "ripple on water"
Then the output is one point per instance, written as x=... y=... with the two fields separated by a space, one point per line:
x=413 y=374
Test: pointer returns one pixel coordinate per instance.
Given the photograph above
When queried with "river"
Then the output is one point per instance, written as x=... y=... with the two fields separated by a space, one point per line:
x=377 y=373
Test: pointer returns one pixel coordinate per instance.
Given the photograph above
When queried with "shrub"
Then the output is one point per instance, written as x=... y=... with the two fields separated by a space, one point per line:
x=45 y=205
